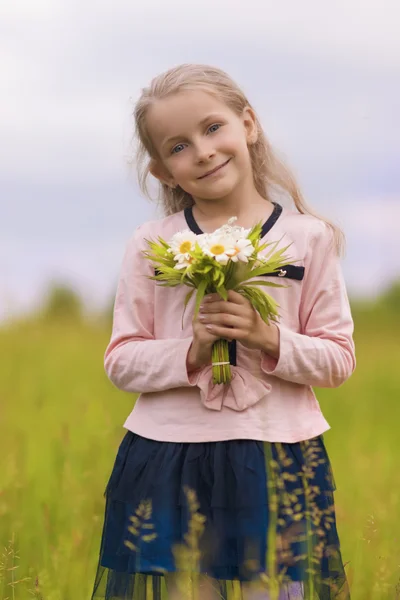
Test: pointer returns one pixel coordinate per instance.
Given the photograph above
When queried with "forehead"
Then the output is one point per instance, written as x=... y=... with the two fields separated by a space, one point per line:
x=181 y=113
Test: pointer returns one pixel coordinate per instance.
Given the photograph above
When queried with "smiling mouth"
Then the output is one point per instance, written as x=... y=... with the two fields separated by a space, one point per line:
x=214 y=170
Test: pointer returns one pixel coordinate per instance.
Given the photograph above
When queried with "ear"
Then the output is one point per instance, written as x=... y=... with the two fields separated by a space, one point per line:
x=158 y=171
x=250 y=125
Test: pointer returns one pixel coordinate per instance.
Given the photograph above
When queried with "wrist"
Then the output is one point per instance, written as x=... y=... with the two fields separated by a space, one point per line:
x=270 y=340
x=198 y=356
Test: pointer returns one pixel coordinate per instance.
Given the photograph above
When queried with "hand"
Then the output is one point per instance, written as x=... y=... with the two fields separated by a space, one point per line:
x=237 y=319
x=200 y=351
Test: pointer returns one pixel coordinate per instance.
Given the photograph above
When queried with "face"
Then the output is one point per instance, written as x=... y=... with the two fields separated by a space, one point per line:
x=202 y=145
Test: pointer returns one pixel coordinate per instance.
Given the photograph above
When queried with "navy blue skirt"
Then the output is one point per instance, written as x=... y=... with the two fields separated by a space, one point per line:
x=236 y=511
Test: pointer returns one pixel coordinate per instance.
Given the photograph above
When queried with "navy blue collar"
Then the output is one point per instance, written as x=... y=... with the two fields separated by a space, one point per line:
x=269 y=223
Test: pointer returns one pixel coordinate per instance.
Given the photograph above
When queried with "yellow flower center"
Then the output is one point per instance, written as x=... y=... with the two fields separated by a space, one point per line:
x=185 y=247
x=217 y=249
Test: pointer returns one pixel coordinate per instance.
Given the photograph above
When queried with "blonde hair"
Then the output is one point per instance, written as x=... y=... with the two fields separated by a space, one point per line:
x=270 y=174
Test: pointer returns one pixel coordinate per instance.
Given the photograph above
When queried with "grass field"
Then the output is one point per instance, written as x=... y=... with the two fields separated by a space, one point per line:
x=61 y=422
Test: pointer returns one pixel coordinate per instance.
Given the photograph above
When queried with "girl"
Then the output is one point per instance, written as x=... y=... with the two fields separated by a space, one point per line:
x=223 y=485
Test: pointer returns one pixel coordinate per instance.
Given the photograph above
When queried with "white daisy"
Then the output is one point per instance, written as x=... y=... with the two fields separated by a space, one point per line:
x=182 y=264
x=181 y=244
x=220 y=247
x=242 y=249
x=235 y=231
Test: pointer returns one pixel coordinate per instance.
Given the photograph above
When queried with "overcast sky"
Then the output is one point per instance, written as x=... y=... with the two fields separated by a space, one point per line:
x=323 y=76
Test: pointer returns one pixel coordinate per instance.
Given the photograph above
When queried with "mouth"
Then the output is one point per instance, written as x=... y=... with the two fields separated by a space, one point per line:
x=214 y=170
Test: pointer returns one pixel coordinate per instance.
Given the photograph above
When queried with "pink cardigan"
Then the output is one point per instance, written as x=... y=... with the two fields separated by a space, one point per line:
x=267 y=399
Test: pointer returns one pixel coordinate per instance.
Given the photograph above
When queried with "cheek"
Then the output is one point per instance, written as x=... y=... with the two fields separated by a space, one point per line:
x=179 y=166
x=236 y=143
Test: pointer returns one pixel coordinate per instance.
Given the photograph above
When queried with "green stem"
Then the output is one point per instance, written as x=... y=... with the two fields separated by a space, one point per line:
x=272 y=526
x=149 y=587
x=220 y=353
x=309 y=538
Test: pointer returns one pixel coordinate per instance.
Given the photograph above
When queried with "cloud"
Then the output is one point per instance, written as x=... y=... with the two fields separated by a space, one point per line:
x=324 y=76
x=340 y=30
x=324 y=79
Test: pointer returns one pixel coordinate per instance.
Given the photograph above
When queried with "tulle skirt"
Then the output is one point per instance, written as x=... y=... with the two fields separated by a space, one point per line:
x=239 y=513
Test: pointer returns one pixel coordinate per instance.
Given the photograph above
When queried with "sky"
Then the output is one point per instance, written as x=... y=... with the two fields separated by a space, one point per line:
x=323 y=76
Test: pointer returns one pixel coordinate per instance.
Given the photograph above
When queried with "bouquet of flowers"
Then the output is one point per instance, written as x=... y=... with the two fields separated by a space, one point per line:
x=226 y=259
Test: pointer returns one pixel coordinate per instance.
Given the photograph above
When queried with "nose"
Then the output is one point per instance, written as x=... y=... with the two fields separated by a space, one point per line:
x=204 y=152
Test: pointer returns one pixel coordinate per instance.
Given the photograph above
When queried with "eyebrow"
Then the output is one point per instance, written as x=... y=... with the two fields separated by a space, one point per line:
x=202 y=122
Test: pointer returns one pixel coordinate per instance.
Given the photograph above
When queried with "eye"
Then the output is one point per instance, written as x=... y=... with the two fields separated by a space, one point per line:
x=214 y=127
x=178 y=148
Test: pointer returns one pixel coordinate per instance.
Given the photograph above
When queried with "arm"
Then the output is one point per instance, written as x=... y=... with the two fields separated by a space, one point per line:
x=323 y=354
x=134 y=361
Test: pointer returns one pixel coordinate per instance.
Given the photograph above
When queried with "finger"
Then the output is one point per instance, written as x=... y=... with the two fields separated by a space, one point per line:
x=211 y=298
x=221 y=307
x=231 y=294
x=236 y=298
x=223 y=320
x=227 y=333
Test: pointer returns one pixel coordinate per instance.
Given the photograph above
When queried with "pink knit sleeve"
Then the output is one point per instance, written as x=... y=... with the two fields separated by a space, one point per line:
x=134 y=360
x=323 y=354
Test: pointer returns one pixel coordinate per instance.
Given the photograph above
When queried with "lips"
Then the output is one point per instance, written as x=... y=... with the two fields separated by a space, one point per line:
x=214 y=170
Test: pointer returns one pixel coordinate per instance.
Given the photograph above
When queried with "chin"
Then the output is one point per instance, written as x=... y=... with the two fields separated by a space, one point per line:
x=215 y=192
x=212 y=197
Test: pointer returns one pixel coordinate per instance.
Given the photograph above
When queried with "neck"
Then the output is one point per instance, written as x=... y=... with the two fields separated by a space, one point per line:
x=246 y=204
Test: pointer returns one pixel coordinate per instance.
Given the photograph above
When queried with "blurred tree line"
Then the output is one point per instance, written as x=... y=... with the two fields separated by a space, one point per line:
x=64 y=303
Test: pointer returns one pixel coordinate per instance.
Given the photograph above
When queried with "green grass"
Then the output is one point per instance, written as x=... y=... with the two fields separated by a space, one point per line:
x=61 y=423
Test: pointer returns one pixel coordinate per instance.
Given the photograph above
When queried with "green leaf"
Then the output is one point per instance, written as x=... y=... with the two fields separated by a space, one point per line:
x=222 y=292
x=205 y=269
x=267 y=245
x=262 y=302
x=254 y=234
x=186 y=302
x=199 y=296
x=269 y=267
x=280 y=252
x=167 y=284
x=266 y=283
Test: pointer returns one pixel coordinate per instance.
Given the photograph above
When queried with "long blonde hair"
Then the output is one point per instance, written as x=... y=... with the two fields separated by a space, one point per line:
x=269 y=172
